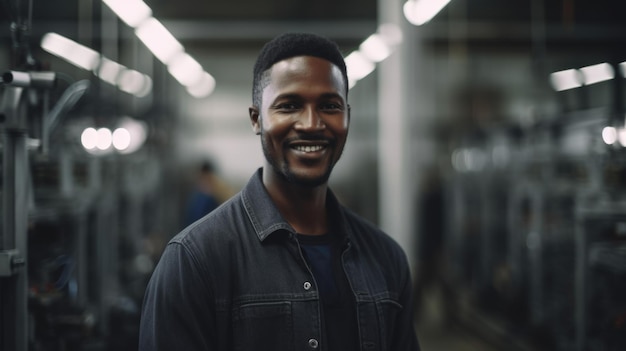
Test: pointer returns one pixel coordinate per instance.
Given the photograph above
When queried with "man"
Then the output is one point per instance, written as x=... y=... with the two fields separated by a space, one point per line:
x=282 y=265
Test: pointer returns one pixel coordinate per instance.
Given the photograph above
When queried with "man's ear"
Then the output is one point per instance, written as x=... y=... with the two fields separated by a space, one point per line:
x=255 y=119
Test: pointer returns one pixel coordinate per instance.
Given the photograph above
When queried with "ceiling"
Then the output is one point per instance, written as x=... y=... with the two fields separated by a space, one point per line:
x=568 y=15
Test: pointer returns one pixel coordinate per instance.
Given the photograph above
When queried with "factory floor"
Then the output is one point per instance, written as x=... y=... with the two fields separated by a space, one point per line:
x=471 y=331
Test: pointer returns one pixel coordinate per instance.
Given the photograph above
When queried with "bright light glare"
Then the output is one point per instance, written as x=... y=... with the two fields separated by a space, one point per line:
x=121 y=139
x=132 y=12
x=609 y=135
x=185 y=69
x=204 y=87
x=597 y=73
x=391 y=34
x=136 y=83
x=418 y=12
x=622 y=67
x=137 y=132
x=564 y=80
x=375 y=48
x=358 y=66
x=89 y=138
x=621 y=136
x=159 y=40
x=71 y=51
x=104 y=138
x=109 y=71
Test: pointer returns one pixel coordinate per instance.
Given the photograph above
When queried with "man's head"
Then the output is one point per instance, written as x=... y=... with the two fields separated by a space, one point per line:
x=300 y=108
x=291 y=45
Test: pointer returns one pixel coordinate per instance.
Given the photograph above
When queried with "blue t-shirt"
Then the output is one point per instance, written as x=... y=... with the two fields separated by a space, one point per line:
x=323 y=254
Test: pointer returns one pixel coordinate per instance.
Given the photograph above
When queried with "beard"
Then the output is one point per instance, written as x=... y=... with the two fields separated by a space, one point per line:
x=288 y=175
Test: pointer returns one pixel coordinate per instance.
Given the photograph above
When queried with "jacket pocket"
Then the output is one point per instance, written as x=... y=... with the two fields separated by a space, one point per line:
x=263 y=326
x=388 y=310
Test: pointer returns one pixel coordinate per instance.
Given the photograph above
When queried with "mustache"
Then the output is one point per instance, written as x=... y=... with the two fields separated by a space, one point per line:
x=310 y=137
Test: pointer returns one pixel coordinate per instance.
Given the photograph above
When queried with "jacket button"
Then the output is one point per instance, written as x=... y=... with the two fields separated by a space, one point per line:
x=307 y=286
x=313 y=343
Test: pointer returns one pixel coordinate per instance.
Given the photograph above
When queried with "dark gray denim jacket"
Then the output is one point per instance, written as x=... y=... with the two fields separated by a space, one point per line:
x=236 y=280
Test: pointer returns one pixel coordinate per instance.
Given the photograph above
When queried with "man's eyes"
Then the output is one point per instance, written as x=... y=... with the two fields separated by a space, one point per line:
x=291 y=106
x=332 y=106
x=287 y=106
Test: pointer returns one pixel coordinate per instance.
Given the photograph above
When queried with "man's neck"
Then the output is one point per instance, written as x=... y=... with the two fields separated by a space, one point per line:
x=303 y=207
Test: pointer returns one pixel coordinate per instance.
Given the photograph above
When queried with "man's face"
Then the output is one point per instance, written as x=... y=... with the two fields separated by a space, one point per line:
x=303 y=119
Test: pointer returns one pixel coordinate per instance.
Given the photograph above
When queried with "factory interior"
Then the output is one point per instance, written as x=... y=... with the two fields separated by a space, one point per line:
x=487 y=137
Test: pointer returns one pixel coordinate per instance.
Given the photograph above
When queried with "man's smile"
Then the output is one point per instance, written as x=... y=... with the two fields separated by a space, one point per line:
x=308 y=148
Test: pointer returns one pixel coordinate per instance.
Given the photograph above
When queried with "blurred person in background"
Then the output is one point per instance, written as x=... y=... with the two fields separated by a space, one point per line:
x=209 y=192
x=283 y=265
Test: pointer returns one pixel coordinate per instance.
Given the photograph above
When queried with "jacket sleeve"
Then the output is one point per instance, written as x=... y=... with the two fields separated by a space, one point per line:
x=406 y=336
x=177 y=313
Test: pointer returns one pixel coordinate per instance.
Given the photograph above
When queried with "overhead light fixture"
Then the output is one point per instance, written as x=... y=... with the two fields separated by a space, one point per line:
x=132 y=12
x=203 y=87
x=575 y=78
x=418 y=12
x=164 y=46
x=133 y=82
x=159 y=40
x=597 y=73
x=622 y=67
x=127 y=138
x=621 y=136
x=358 y=66
x=609 y=135
x=71 y=51
x=127 y=80
x=375 y=48
x=185 y=69
x=109 y=70
x=564 y=80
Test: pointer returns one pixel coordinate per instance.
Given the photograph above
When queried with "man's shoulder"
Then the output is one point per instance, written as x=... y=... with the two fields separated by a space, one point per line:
x=217 y=225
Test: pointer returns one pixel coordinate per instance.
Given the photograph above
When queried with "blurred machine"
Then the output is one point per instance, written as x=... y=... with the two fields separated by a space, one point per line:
x=74 y=256
x=537 y=226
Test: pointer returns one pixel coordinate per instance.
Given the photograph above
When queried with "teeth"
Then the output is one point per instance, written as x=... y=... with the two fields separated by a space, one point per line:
x=308 y=148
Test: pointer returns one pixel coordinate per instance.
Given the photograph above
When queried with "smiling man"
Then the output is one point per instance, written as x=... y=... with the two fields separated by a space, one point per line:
x=283 y=265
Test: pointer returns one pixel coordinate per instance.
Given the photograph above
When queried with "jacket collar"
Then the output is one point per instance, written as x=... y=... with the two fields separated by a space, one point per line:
x=265 y=217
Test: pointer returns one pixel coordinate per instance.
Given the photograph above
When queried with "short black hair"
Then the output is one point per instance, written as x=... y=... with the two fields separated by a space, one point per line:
x=290 y=45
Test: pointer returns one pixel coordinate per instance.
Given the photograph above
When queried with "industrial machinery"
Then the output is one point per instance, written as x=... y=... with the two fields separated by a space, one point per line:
x=537 y=227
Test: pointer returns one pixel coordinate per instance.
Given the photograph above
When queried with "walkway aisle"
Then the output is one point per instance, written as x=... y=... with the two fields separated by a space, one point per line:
x=437 y=335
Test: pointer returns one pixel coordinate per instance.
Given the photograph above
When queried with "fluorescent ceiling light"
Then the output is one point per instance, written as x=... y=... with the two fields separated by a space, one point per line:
x=109 y=70
x=185 y=69
x=133 y=82
x=621 y=136
x=358 y=66
x=137 y=131
x=89 y=138
x=202 y=88
x=159 y=40
x=597 y=73
x=418 y=12
x=104 y=138
x=121 y=139
x=391 y=34
x=564 y=80
x=132 y=12
x=609 y=135
x=375 y=48
x=71 y=51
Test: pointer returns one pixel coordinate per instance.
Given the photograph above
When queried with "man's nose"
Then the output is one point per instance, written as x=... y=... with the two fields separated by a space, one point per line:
x=310 y=119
